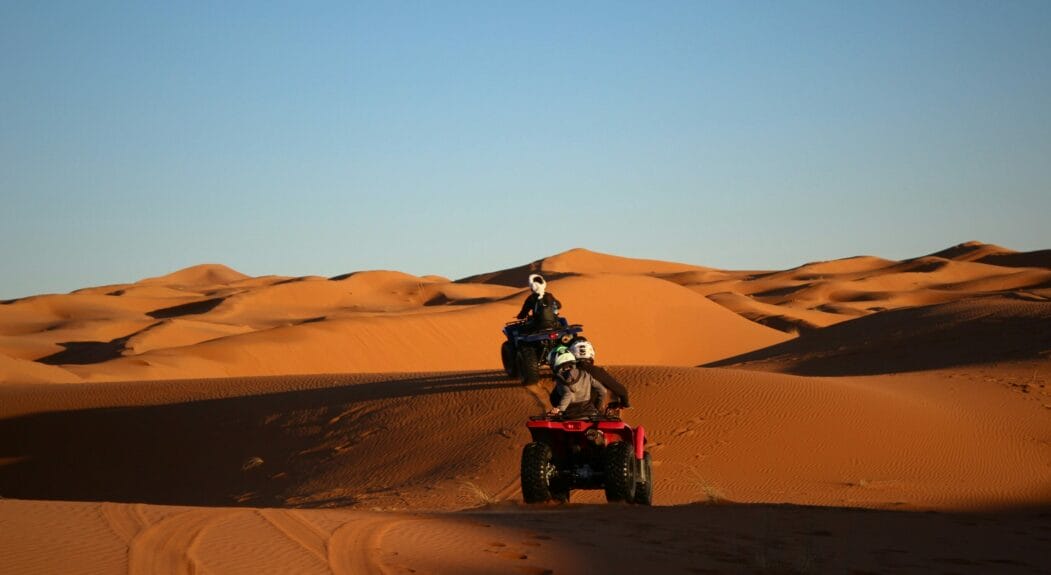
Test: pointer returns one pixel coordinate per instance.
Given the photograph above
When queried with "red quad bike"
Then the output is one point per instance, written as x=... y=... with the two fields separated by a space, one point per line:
x=597 y=452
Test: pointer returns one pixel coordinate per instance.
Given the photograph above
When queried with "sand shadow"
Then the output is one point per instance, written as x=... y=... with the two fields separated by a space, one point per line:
x=192 y=308
x=85 y=352
x=773 y=538
x=913 y=339
x=198 y=452
x=514 y=277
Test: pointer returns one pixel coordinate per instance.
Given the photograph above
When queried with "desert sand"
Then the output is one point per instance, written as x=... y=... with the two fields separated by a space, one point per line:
x=859 y=415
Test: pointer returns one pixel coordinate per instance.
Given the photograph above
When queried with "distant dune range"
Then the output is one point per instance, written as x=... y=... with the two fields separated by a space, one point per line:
x=332 y=424
x=210 y=321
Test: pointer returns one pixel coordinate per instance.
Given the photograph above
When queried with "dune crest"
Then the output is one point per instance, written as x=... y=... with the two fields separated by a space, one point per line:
x=581 y=261
x=198 y=275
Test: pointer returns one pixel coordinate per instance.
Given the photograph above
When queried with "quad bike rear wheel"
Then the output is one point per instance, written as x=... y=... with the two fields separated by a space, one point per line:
x=644 y=487
x=507 y=357
x=619 y=467
x=528 y=365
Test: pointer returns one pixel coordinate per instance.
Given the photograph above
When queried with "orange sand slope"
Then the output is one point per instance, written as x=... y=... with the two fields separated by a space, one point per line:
x=820 y=294
x=247 y=463
x=360 y=423
x=942 y=440
x=975 y=331
x=137 y=539
x=211 y=321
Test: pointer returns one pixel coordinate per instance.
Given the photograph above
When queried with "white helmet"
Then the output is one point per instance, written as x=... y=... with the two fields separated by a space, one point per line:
x=553 y=355
x=582 y=349
x=563 y=358
x=537 y=284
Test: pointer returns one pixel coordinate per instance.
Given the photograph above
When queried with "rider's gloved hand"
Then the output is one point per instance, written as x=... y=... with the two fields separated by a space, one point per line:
x=554 y=411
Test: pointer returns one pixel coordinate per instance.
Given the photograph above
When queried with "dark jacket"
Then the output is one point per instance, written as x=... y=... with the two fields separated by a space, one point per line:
x=606 y=380
x=543 y=309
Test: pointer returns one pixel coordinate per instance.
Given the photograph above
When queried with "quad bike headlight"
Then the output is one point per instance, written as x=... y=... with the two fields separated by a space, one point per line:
x=567 y=338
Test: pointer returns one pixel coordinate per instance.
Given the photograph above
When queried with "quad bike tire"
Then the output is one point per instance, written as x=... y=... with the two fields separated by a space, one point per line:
x=644 y=489
x=507 y=357
x=619 y=468
x=537 y=472
x=528 y=365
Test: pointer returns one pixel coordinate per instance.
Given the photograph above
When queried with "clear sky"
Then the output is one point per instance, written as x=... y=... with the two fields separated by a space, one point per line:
x=453 y=138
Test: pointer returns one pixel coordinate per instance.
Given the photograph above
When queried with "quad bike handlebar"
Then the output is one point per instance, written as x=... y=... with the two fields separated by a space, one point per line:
x=607 y=416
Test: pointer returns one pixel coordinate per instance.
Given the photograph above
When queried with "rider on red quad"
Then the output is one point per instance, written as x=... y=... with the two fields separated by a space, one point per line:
x=582 y=349
x=541 y=307
x=584 y=353
x=576 y=389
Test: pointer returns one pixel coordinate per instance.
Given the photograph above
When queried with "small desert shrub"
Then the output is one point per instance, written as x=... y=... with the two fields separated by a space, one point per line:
x=475 y=493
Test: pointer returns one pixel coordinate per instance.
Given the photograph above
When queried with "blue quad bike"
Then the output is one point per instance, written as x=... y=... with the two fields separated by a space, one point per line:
x=526 y=351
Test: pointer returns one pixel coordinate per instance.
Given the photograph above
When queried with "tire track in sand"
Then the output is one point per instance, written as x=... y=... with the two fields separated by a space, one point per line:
x=167 y=547
x=125 y=520
x=354 y=547
x=300 y=530
x=515 y=486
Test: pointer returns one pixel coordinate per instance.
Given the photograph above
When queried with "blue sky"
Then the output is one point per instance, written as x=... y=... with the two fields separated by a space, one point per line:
x=458 y=138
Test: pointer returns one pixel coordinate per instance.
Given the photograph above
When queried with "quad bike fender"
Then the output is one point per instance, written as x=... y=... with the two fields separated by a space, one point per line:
x=640 y=442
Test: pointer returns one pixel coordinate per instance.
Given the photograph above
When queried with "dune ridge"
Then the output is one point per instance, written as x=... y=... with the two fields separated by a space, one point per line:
x=212 y=321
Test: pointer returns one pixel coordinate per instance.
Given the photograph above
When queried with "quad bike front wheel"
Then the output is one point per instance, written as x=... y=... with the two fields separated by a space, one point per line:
x=539 y=483
x=619 y=467
x=528 y=365
x=507 y=357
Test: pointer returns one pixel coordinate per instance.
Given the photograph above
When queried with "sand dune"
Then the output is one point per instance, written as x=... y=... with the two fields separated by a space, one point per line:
x=655 y=322
x=394 y=455
x=199 y=275
x=211 y=321
x=979 y=330
x=948 y=440
x=147 y=539
x=844 y=289
x=581 y=261
x=215 y=422
x=783 y=318
x=15 y=369
x=996 y=255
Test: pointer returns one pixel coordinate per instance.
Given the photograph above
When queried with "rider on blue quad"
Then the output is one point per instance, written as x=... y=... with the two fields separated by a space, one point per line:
x=540 y=307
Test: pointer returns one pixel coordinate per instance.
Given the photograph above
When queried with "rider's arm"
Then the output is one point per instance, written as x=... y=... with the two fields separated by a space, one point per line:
x=609 y=381
x=566 y=399
x=527 y=306
x=600 y=390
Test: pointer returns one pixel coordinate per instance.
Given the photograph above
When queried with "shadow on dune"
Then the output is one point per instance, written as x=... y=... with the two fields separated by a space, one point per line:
x=192 y=308
x=85 y=352
x=203 y=453
x=1037 y=259
x=514 y=277
x=968 y=332
x=771 y=538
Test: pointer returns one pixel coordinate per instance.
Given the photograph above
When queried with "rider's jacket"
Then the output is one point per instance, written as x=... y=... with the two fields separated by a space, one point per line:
x=579 y=392
x=542 y=308
x=607 y=380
